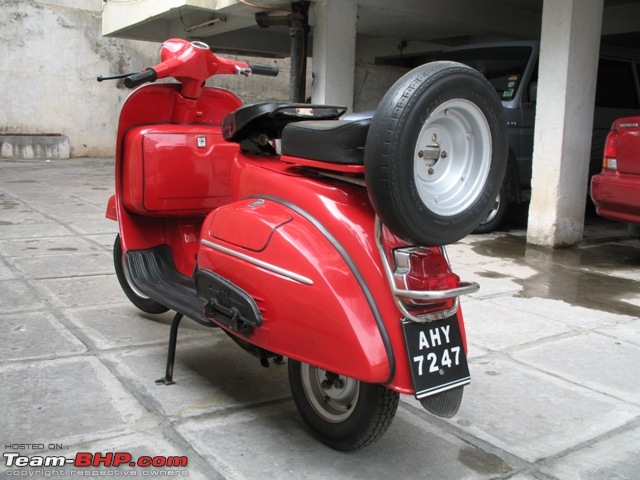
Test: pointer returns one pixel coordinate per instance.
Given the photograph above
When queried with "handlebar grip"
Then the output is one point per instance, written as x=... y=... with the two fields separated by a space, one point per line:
x=264 y=70
x=149 y=75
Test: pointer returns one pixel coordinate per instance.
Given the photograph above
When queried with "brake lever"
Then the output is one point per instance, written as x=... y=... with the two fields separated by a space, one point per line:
x=100 y=78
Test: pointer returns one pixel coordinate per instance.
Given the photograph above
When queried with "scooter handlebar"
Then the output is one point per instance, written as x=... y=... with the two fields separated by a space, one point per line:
x=264 y=70
x=133 y=80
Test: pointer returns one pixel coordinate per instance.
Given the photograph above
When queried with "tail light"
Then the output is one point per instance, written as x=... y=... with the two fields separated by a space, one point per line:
x=421 y=280
x=609 y=159
x=423 y=269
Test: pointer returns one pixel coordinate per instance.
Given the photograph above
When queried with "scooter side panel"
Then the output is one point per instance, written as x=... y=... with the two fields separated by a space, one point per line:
x=153 y=105
x=171 y=170
x=345 y=213
x=312 y=308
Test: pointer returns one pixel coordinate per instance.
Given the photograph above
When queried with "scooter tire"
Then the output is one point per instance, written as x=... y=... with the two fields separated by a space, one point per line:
x=344 y=418
x=436 y=153
x=141 y=301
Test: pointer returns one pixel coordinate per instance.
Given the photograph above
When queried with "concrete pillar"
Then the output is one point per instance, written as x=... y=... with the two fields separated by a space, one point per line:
x=570 y=42
x=334 y=51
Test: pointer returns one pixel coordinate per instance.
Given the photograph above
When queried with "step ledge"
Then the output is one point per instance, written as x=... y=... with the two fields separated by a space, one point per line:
x=52 y=146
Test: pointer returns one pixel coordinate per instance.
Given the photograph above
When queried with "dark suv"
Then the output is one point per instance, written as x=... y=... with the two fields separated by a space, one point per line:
x=512 y=68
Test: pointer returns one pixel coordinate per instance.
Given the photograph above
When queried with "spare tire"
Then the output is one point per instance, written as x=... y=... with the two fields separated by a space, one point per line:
x=436 y=153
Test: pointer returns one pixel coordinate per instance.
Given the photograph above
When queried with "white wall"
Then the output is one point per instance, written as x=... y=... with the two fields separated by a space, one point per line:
x=371 y=83
x=260 y=88
x=51 y=52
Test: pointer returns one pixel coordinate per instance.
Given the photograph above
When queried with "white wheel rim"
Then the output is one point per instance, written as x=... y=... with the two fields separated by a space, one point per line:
x=333 y=399
x=452 y=157
x=493 y=212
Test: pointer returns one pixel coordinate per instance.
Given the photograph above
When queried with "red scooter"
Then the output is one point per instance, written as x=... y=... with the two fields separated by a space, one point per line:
x=309 y=235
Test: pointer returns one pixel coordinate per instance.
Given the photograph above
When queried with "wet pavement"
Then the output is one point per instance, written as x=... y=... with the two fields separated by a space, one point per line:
x=554 y=348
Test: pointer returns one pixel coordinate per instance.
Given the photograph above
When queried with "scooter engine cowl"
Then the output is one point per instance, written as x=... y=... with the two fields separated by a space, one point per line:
x=312 y=309
x=248 y=224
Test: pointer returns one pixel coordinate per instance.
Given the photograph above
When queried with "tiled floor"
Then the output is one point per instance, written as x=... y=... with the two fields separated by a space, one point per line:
x=554 y=349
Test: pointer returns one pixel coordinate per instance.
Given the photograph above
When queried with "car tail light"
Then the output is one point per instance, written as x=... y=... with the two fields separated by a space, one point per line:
x=609 y=159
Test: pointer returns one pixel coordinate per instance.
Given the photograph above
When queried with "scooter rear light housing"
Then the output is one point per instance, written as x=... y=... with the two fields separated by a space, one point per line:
x=422 y=283
x=422 y=269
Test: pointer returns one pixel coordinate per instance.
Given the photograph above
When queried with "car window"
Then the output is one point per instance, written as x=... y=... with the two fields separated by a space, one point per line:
x=503 y=66
x=616 y=86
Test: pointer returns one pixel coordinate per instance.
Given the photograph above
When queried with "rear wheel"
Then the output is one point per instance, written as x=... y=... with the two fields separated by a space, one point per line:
x=342 y=412
x=436 y=153
x=138 y=298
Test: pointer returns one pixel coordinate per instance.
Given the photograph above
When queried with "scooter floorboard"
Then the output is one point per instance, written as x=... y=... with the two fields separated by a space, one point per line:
x=154 y=272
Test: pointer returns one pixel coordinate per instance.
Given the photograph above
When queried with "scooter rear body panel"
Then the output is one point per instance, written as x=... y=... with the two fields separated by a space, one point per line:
x=312 y=307
x=323 y=231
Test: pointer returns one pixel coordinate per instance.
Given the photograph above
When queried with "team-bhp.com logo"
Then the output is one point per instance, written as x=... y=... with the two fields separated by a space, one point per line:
x=86 y=459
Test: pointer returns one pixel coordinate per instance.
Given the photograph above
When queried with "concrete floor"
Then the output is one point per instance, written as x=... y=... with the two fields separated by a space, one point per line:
x=554 y=343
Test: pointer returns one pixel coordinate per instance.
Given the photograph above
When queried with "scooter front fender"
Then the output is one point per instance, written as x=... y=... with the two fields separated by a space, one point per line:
x=311 y=305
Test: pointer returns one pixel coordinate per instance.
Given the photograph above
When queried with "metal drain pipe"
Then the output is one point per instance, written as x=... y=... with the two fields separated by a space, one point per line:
x=298 y=23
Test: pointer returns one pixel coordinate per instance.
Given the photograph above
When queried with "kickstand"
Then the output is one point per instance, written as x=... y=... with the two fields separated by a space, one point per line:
x=171 y=353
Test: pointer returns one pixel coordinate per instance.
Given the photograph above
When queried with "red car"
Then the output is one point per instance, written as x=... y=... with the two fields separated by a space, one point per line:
x=616 y=190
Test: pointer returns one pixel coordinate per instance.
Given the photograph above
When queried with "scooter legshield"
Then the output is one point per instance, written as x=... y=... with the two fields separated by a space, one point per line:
x=311 y=306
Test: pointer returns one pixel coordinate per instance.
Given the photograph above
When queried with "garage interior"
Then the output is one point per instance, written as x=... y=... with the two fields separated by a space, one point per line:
x=410 y=32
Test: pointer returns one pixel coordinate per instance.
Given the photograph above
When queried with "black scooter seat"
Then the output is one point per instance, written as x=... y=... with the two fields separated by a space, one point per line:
x=269 y=118
x=333 y=141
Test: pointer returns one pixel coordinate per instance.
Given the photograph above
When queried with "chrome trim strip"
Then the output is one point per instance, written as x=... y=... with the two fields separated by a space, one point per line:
x=267 y=266
x=465 y=288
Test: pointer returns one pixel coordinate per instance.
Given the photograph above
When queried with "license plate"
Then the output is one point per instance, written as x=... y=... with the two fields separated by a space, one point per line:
x=436 y=356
